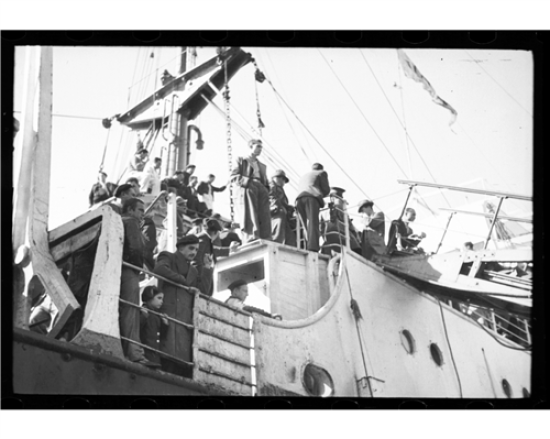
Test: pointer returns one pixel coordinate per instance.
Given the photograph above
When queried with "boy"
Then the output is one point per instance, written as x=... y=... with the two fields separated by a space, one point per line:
x=152 y=325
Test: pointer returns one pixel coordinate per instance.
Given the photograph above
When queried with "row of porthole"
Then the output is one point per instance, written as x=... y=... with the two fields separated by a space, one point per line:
x=409 y=344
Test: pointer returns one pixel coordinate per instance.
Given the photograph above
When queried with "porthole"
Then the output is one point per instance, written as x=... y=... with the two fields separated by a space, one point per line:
x=407 y=341
x=506 y=387
x=437 y=356
x=317 y=381
x=525 y=393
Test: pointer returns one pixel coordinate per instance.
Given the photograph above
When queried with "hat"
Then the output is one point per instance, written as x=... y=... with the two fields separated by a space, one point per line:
x=317 y=167
x=141 y=151
x=254 y=142
x=236 y=284
x=187 y=240
x=179 y=171
x=122 y=188
x=281 y=173
x=365 y=203
x=197 y=222
x=338 y=191
x=149 y=292
x=213 y=224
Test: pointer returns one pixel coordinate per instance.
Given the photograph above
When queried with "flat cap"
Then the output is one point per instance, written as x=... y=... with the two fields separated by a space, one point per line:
x=149 y=292
x=187 y=240
x=122 y=188
x=236 y=284
x=338 y=191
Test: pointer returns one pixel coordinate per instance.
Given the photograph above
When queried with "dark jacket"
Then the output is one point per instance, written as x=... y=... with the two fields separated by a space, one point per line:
x=149 y=230
x=314 y=184
x=206 y=188
x=242 y=172
x=206 y=247
x=278 y=201
x=134 y=243
x=100 y=193
x=151 y=331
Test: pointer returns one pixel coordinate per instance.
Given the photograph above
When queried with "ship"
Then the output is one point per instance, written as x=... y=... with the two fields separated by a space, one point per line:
x=399 y=324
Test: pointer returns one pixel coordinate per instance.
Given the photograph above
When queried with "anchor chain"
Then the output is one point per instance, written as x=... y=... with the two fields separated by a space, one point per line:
x=226 y=98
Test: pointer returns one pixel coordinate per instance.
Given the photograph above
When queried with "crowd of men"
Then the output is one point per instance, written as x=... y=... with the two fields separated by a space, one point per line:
x=158 y=333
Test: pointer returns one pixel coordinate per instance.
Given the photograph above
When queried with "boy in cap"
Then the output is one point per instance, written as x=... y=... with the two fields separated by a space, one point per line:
x=178 y=302
x=239 y=293
x=152 y=325
x=252 y=186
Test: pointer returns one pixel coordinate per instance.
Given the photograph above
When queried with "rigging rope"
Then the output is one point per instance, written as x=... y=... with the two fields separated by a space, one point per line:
x=403 y=126
x=258 y=77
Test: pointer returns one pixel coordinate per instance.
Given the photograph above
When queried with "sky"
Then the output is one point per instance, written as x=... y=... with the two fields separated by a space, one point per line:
x=355 y=103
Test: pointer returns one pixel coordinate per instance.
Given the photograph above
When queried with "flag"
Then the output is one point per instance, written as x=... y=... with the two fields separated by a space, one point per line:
x=412 y=72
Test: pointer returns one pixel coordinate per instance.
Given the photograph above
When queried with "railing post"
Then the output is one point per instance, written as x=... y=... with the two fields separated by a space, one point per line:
x=501 y=199
x=171 y=223
x=445 y=231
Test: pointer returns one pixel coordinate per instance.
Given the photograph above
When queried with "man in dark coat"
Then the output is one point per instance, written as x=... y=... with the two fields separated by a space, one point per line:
x=280 y=210
x=132 y=253
x=149 y=230
x=372 y=229
x=312 y=188
x=252 y=190
x=179 y=302
x=102 y=190
x=206 y=255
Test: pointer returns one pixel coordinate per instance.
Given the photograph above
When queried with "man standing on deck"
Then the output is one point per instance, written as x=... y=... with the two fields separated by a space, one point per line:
x=179 y=302
x=205 y=257
x=132 y=253
x=373 y=230
x=312 y=188
x=206 y=191
x=250 y=178
x=280 y=210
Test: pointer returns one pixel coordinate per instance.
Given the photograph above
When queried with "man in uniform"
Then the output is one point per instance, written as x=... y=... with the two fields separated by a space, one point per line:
x=280 y=210
x=132 y=253
x=373 y=230
x=250 y=177
x=179 y=302
x=312 y=188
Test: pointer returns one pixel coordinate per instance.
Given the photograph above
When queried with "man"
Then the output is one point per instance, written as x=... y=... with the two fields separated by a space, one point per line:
x=132 y=253
x=406 y=238
x=189 y=171
x=149 y=231
x=280 y=210
x=178 y=303
x=151 y=181
x=102 y=190
x=373 y=230
x=334 y=230
x=239 y=293
x=252 y=194
x=206 y=191
x=136 y=189
x=312 y=188
x=122 y=193
x=205 y=256
x=177 y=182
x=138 y=161
x=192 y=197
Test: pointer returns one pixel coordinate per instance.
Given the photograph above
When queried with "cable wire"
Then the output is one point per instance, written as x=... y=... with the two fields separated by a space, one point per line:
x=450 y=348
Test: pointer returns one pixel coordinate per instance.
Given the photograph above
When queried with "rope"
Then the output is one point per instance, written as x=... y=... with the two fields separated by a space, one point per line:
x=105 y=149
x=450 y=348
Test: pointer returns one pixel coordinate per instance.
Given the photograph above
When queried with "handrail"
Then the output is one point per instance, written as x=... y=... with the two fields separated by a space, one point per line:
x=469 y=190
x=155 y=201
x=186 y=289
x=164 y=354
x=179 y=322
x=488 y=215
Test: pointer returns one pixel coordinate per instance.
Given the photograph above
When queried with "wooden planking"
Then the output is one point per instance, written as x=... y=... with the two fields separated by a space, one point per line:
x=219 y=328
x=215 y=364
x=215 y=310
x=74 y=242
x=230 y=350
x=227 y=384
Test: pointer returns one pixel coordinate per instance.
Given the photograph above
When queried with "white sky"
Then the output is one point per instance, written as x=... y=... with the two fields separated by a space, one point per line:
x=492 y=92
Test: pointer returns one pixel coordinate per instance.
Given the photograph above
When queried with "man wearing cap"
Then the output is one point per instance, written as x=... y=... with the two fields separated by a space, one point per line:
x=373 y=230
x=205 y=256
x=334 y=230
x=280 y=210
x=239 y=293
x=102 y=190
x=312 y=188
x=252 y=194
x=122 y=193
x=132 y=253
x=178 y=302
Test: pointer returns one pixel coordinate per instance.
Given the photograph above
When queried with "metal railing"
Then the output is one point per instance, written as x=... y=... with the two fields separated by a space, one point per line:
x=499 y=325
